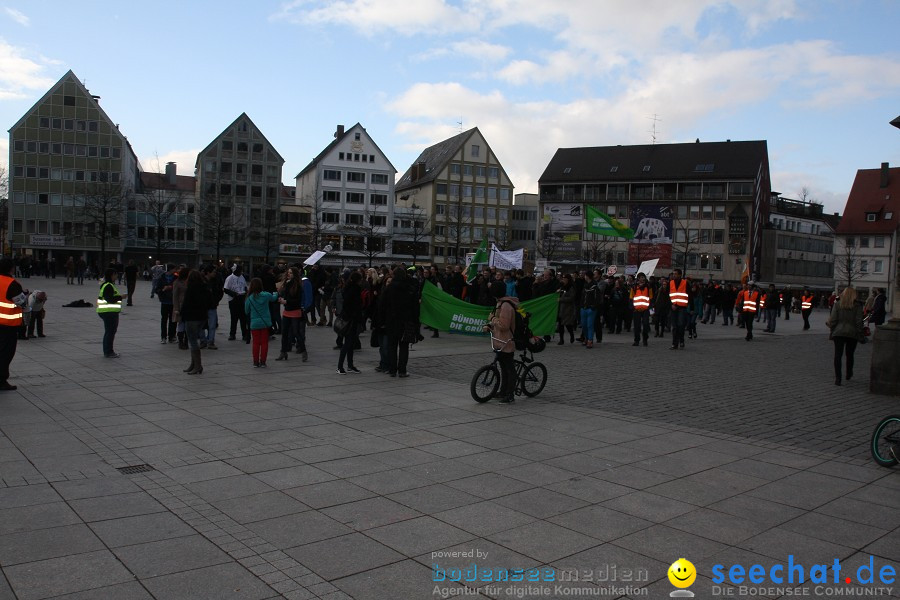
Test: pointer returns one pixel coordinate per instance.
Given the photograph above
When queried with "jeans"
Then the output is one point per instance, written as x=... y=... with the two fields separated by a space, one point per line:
x=193 y=329
x=166 y=326
x=110 y=325
x=748 y=323
x=842 y=344
x=588 y=316
x=35 y=320
x=507 y=374
x=709 y=313
x=212 y=322
x=293 y=331
x=260 y=345
x=641 y=325
x=384 y=351
x=350 y=341
x=771 y=319
x=130 y=284
x=679 y=322
x=728 y=315
x=398 y=354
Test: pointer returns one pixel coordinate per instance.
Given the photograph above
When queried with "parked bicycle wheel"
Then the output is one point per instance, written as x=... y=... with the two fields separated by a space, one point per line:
x=534 y=378
x=886 y=441
x=485 y=383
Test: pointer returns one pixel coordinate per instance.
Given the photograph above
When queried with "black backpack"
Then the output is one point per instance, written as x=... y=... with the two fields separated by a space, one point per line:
x=522 y=332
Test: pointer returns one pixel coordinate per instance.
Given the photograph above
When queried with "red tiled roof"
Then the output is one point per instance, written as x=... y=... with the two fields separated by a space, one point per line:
x=158 y=181
x=867 y=196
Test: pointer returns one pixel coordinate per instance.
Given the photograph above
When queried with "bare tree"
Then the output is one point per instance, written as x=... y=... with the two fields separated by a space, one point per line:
x=458 y=224
x=372 y=235
x=267 y=233
x=596 y=248
x=4 y=207
x=104 y=209
x=316 y=229
x=686 y=245
x=806 y=196
x=420 y=230
x=221 y=225
x=847 y=266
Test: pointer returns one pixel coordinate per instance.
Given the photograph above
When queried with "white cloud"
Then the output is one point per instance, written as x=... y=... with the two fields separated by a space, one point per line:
x=4 y=151
x=472 y=47
x=17 y=16
x=183 y=159
x=374 y=16
x=20 y=75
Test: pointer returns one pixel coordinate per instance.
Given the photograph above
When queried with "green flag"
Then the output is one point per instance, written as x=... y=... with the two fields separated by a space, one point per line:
x=446 y=313
x=602 y=224
x=480 y=258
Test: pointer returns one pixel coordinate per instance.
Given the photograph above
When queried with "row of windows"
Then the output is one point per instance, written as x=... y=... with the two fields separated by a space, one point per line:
x=644 y=191
x=370 y=158
x=700 y=236
x=242 y=146
x=50 y=199
x=355 y=243
x=523 y=235
x=524 y=215
x=55 y=174
x=355 y=177
x=167 y=233
x=798 y=226
x=256 y=191
x=67 y=149
x=240 y=169
x=66 y=228
x=702 y=261
x=864 y=241
x=475 y=170
x=479 y=191
x=466 y=211
x=466 y=233
x=804 y=268
x=331 y=218
x=354 y=197
x=68 y=124
x=803 y=244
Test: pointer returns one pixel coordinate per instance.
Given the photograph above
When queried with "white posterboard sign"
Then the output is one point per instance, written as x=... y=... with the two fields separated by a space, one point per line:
x=648 y=266
x=631 y=270
x=314 y=258
x=612 y=270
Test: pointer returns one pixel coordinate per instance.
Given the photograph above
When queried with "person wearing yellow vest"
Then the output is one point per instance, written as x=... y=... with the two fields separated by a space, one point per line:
x=678 y=296
x=747 y=304
x=806 y=306
x=641 y=298
x=12 y=299
x=109 y=305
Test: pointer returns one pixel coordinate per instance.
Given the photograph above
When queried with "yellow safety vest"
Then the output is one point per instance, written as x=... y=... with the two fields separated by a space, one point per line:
x=108 y=307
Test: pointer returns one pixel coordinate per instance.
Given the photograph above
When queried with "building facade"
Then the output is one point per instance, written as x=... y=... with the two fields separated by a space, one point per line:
x=238 y=191
x=72 y=174
x=798 y=245
x=524 y=225
x=866 y=253
x=701 y=207
x=349 y=187
x=464 y=194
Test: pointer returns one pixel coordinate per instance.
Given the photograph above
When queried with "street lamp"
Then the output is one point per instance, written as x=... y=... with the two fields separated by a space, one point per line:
x=884 y=376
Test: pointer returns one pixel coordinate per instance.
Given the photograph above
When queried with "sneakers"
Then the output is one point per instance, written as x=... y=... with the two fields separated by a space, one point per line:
x=341 y=371
x=211 y=346
x=354 y=370
x=262 y=365
x=113 y=355
x=380 y=370
x=256 y=365
x=163 y=341
x=507 y=399
x=402 y=374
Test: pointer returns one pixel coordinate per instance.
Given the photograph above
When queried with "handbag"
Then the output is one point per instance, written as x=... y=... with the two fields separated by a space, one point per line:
x=341 y=326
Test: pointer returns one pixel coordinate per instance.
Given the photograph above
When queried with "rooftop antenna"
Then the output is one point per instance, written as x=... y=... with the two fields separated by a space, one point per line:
x=459 y=124
x=653 y=131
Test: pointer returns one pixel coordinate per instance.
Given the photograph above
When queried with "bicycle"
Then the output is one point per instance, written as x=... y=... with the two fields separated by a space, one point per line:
x=531 y=376
x=885 y=443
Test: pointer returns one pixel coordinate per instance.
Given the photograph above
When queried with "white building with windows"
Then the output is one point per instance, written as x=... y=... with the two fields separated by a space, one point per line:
x=350 y=188
x=868 y=243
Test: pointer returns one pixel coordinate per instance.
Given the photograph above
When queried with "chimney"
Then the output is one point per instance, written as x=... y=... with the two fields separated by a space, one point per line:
x=96 y=99
x=170 y=173
x=885 y=171
x=340 y=132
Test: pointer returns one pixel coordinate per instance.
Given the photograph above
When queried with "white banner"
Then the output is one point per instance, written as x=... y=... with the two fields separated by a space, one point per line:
x=648 y=266
x=508 y=260
x=316 y=256
x=48 y=240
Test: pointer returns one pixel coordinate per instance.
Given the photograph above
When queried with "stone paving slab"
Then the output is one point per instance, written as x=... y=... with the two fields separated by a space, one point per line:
x=293 y=482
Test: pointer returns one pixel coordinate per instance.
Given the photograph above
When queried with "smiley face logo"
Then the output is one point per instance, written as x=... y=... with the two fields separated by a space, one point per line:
x=682 y=573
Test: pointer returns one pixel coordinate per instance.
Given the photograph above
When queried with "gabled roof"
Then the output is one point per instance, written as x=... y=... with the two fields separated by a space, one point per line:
x=159 y=181
x=335 y=142
x=867 y=196
x=70 y=76
x=435 y=158
x=243 y=115
x=700 y=161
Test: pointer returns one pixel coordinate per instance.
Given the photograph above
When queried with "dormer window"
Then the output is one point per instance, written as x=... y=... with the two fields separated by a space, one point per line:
x=614 y=169
x=888 y=216
x=567 y=170
x=356 y=136
x=646 y=168
x=704 y=168
x=870 y=217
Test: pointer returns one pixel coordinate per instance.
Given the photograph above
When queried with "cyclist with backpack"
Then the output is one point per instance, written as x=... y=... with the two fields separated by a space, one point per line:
x=502 y=326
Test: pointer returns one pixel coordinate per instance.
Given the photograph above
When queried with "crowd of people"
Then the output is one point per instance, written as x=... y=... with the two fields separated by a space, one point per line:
x=284 y=300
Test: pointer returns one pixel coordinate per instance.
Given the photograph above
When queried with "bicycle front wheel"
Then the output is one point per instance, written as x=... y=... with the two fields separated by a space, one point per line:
x=886 y=441
x=485 y=383
x=534 y=378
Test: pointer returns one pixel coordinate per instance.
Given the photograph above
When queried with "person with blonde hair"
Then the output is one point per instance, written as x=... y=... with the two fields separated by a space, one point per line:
x=846 y=324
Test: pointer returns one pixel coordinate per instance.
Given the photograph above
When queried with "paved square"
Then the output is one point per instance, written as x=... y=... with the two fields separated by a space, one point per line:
x=295 y=482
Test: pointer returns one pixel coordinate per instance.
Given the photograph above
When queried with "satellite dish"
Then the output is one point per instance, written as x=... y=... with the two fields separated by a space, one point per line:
x=327 y=248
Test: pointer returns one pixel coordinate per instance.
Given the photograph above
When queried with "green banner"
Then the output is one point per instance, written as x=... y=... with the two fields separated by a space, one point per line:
x=602 y=224
x=442 y=311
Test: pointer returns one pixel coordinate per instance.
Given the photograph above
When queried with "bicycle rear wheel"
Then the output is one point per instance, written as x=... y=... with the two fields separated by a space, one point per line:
x=533 y=378
x=485 y=383
x=886 y=441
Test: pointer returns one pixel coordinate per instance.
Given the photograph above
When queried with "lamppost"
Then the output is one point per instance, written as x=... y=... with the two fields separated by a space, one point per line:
x=884 y=376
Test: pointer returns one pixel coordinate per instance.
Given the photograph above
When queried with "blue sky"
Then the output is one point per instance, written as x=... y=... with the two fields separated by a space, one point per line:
x=818 y=79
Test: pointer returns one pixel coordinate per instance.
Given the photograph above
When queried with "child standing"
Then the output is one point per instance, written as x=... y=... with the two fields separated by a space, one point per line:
x=256 y=306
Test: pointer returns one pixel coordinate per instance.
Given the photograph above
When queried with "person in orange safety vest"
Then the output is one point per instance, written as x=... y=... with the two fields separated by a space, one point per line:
x=748 y=305
x=12 y=299
x=806 y=306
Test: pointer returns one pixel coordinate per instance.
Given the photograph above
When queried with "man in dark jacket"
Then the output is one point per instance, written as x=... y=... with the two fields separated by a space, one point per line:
x=214 y=284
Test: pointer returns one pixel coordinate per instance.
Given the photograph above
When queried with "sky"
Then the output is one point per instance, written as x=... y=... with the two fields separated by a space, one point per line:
x=818 y=79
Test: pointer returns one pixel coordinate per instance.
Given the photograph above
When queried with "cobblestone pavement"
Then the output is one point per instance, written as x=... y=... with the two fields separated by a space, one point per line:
x=294 y=482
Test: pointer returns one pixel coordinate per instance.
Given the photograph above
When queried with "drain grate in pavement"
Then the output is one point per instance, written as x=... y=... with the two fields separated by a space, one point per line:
x=135 y=469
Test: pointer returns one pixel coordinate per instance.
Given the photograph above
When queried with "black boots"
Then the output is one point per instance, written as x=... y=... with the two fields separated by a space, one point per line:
x=195 y=361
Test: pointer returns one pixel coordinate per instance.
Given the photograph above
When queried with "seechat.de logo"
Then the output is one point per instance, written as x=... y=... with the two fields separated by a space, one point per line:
x=682 y=575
